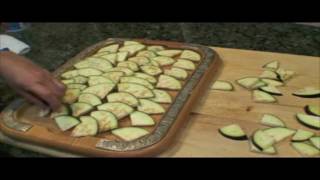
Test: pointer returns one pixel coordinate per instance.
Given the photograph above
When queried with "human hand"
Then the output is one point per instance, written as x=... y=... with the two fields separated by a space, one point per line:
x=32 y=82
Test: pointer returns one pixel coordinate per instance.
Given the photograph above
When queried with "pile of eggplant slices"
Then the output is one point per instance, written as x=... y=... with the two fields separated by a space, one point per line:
x=127 y=80
x=264 y=89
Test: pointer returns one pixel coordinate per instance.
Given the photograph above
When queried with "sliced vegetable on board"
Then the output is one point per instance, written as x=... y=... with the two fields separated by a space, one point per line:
x=89 y=72
x=136 y=80
x=130 y=133
x=176 y=73
x=132 y=49
x=122 y=56
x=141 y=119
x=263 y=97
x=269 y=75
x=151 y=70
x=150 y=107
x=99 y=64
x=114 y=76
x=88 y=98
x=71 y=95
x=262 y=140
x=80 y=108
x=87 y=127
x=191 y=55
x=168 y=82
x=279 y=133
x=129 y=64
x=106 y=120
x=308 y=92
x=147 y=53
x=120 y=110
x=247 y=82
x=310 y=121
x=110 y=48
x=272 y=82
x=101 y=90
x=140 y=60
x=305 y=149
x=95 y=80
x=274 y=65
x=164 y=60
x=66 y=122
x=184 y=64
x=169 y=53
x=285 y=75
x=222 y=85
x=61 y=111
x=155 y=48
x=126 y=71
x=315 y=141
x=145 y=76
x=233 y=131
x=271 y=150
x=161 y=96
x=70 y=74
x=76 y=86
x=272 y=121
x=312 y=110
x=302 y=135
x=123 y=97
x=271 y=90
x=137 y=90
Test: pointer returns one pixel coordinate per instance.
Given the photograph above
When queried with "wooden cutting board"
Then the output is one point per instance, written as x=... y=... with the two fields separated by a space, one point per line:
x=200 y=137
x=219 y=108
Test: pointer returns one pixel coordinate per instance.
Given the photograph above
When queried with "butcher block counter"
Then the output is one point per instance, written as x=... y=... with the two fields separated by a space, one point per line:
x=200 y=137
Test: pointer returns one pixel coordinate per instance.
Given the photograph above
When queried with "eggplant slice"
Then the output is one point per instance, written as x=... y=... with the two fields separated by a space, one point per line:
x=308 y=92
x=312 y=110
x=91 y=99
x=168 y=82
x=279 y=133
x=71 y=95
x=262 y=140
x=130 y=133
x=191 y=55
x=141 y=119
x=274 y=65
x=310 y=121
x=177 y=73
x=161 y=96
x=302 y=135
x=120 y=110
x=222 y=85
x=315 y=141
x=145 y=76
x=106 y=120
x=272 y=121
x=66 y=122
x=137 y=90
x=305 y=149
x=271 y=90
x=150 y=107
x=87 y=127
x=260 y=96
x=234 y=132
x=80 y=108
x=123 y=97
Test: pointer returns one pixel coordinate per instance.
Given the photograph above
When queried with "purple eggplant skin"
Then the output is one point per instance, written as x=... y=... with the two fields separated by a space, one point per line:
x=275 y=94
x=308 y=96
x=307 y=125
x=306 y=109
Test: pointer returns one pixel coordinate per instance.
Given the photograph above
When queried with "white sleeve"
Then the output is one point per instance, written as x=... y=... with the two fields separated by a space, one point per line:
x=13 y=44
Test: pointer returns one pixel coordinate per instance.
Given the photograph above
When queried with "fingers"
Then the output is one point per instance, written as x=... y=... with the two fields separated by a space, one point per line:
x=53 y=84
x=46 y=95
x=32 y=99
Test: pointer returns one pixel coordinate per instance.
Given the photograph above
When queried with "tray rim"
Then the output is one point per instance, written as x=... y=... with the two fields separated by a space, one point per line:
x=213 y=61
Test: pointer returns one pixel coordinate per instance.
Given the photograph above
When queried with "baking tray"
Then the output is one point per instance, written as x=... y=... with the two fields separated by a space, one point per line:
x=19 y=120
